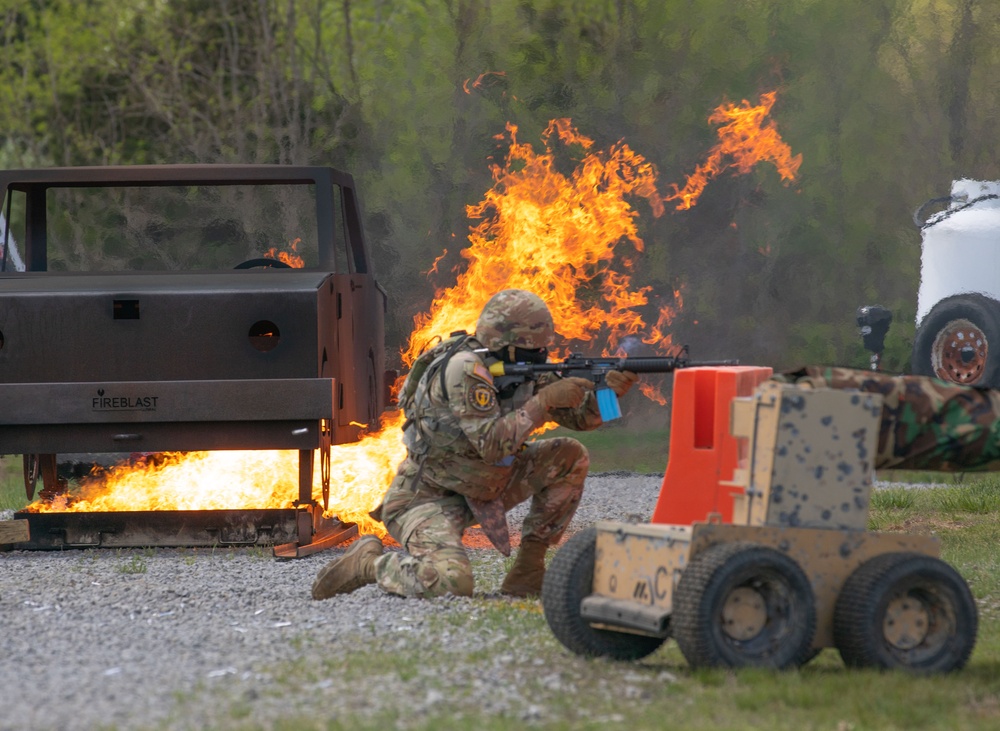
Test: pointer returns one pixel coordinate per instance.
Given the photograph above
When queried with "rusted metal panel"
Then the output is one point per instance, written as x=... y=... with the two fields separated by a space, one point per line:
x=161 y=437
x=200 y=174
x=827 y=556
x=328 y=533
x=36 y=182
x=290 y=532
x=193 y=360
x=54 y=531
x=138 y=402
x=201 y=325
x=153 y=326
x=360 y=323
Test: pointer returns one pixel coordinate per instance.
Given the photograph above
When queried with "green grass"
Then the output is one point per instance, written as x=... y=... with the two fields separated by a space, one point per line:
x=134 y=564
x=937 y=478
x=626 y=447
x=11 y=483
x=980 y=498
x=894 y=505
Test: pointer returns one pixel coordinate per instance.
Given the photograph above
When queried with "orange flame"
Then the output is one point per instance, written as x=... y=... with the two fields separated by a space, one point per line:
x=484 y=81
x=291 y=258
x=554 y=233
x=747 y=138
x=243 y=479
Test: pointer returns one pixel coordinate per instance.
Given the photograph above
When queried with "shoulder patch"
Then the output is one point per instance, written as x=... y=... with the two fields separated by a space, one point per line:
x=479 y=370
x=482 y=397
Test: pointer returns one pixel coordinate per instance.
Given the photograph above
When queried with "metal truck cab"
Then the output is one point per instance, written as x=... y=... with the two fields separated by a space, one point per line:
x=183 y=307
x=131 y=276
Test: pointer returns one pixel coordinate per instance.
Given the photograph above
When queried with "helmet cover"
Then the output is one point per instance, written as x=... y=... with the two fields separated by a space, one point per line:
x=515 y=317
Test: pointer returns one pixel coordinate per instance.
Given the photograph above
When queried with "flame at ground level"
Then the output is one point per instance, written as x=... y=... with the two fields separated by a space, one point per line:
x=359 y=475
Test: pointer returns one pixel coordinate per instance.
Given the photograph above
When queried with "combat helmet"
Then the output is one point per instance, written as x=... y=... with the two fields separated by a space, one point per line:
x=515 y=317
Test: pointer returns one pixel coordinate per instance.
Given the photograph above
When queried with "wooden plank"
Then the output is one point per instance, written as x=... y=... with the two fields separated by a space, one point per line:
x=13 y=531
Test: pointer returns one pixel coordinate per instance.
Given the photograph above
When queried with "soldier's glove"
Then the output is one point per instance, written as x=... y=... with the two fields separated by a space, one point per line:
x=620 y=381
x=566 y=393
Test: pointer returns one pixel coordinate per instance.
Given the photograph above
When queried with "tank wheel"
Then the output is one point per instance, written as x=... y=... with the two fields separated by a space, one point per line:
x=907 y=611
x=568 y=581
x=959 y=341
x=744 y=605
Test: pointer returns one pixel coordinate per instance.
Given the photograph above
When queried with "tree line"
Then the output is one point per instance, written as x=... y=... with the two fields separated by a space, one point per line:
x=887 y=101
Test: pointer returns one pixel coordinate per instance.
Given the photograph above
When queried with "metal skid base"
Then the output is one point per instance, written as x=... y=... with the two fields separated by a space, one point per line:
x=292 y=532
x=315 y=534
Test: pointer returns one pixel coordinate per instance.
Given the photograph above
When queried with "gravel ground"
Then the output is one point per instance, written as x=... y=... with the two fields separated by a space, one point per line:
x=108 y=639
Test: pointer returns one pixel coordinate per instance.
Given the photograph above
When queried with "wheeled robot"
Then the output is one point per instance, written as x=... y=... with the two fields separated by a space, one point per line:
x=794 y=572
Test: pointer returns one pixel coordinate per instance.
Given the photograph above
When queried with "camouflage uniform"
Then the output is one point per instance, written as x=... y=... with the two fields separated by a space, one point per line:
x=927 y=424
x=467 y=443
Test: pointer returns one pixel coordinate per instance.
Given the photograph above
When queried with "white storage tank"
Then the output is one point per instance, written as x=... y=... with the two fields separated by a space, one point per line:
x=958 y=305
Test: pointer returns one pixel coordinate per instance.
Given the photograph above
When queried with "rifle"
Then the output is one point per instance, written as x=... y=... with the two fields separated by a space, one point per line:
x=581 y=366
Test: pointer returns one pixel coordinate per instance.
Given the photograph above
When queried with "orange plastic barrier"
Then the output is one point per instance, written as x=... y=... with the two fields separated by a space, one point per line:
x=703 y=454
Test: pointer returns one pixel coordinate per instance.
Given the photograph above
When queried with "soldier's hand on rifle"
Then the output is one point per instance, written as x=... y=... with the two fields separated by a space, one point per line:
x=620 y=381
x=566 y=393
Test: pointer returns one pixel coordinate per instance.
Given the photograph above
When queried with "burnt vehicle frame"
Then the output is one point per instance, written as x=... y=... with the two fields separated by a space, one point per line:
x=257 y=356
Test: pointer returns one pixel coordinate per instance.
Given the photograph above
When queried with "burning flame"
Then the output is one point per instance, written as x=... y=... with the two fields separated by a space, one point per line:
x=485 y=80
x=745 y=136
x=291 y=257
x=557 y=234
x=360 y=471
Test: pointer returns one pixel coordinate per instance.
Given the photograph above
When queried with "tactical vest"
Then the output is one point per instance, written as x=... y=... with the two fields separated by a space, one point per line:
x=414 y=397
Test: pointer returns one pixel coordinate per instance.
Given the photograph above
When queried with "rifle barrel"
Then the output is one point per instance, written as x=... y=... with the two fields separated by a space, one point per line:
x=662 y=364
x=659 y=364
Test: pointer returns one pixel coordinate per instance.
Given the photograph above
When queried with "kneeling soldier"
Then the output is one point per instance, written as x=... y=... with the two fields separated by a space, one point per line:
x=469 y=460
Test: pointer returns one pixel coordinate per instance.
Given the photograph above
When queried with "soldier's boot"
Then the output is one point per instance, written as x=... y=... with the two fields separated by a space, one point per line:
x=354 y=569
x=525 y=576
